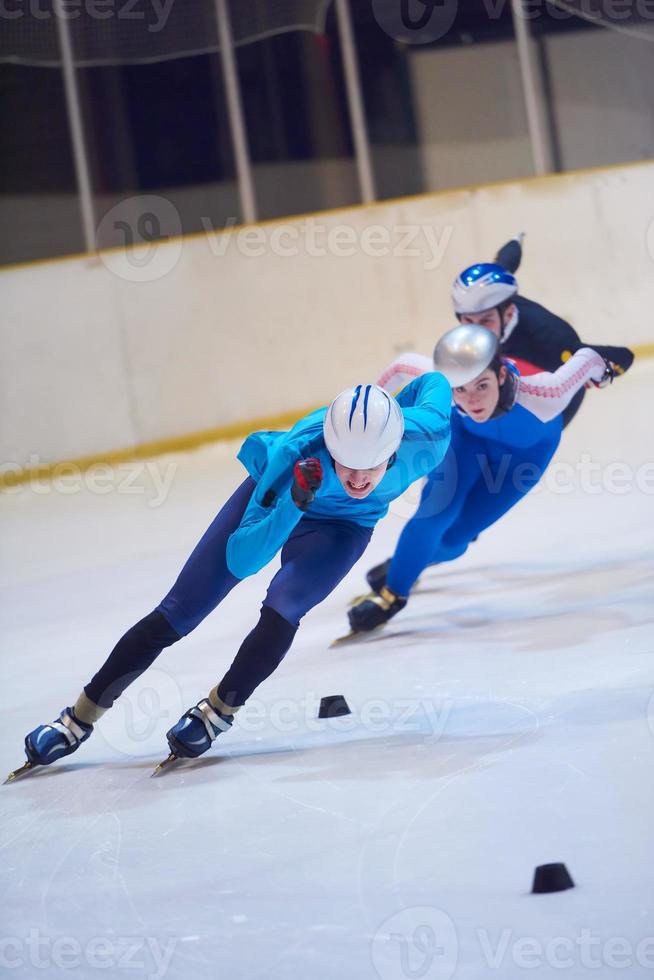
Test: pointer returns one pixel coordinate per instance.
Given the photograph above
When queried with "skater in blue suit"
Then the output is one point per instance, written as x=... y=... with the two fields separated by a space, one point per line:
x=505 y=430
x=315 y=493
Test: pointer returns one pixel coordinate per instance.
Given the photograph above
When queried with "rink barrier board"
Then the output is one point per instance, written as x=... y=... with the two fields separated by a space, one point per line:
x=147 y=450
x=114 y=346
x=537 y=179
x=185 y=443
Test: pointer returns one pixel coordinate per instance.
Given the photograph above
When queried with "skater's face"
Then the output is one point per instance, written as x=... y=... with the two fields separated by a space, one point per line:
x=493 y=320
x=479 y=398
x=359 y=483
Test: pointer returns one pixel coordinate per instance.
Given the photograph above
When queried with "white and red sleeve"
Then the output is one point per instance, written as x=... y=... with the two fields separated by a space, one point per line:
x=547 y=394
x=404 y=369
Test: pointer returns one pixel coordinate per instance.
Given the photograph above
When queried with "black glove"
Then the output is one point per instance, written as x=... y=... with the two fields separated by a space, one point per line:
x=307 y=474
x=608 y=376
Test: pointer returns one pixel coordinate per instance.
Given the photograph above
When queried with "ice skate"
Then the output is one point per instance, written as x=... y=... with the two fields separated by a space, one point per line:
x=377 y=576
x=375 y=609
x=194 y=733
x=48 y=743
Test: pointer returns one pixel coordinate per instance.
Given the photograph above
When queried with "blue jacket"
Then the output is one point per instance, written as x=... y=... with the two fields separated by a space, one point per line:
x=518 y=429
x=269 y=458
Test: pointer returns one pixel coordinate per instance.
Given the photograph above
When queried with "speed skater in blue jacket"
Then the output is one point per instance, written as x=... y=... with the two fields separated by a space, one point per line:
x=315 y=493
x=505 y=430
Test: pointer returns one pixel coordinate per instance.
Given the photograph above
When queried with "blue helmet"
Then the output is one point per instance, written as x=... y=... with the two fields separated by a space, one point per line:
x=482 y=287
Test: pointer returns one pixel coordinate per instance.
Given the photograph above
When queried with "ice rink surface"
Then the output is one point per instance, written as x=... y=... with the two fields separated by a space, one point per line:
x=505 y=719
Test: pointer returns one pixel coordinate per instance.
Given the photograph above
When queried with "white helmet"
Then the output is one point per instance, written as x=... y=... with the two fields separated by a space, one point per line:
x=363 y=427
x=464 y=352
x=482 y=287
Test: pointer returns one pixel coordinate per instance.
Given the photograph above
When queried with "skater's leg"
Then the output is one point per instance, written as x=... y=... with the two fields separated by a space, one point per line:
x=441 y=500
x=203 y=582
x=260 y=653
x=133 y=654
x=485 y=504
x=443 y=496
x=205 y=579
x=315 y=559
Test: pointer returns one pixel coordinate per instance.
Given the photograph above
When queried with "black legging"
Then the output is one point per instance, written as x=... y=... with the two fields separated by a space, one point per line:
x=259 y=655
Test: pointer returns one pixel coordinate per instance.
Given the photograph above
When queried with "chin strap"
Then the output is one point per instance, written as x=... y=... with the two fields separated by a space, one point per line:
x=509 y=327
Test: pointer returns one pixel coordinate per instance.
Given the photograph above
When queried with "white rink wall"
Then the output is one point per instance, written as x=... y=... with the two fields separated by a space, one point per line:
x=110 y=352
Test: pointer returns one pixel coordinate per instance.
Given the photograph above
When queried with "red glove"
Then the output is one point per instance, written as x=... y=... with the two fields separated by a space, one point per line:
x=307 y=475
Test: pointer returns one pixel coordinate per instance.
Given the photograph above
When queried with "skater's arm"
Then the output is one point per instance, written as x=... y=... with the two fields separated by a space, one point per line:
x=620 y=357
x=269 y=517
x=546 y=395
x=510 y=255
x=403 y=370
x=426 y=405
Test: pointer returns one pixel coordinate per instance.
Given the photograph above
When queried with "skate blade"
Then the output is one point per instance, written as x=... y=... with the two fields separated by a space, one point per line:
x=366 y=595
x=354 y=636
x=342 y=640
x=17 y=773
x=165 y=765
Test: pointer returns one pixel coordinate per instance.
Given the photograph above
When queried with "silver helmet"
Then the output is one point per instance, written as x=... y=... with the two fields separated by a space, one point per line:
x=464 y=352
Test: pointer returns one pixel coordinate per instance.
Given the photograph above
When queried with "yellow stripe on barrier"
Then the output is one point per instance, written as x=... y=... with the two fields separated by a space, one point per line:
x=236 y=430
x=193 y=440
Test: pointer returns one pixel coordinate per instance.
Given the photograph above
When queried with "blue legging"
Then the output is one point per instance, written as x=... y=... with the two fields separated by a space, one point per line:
x=316 y=556
x=473 y=487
